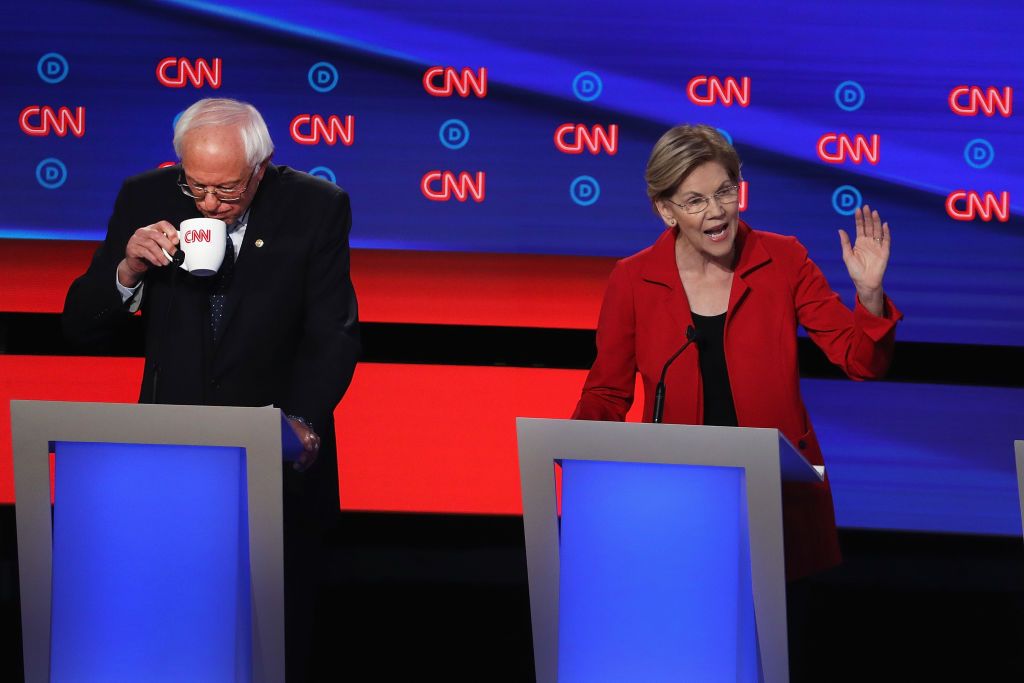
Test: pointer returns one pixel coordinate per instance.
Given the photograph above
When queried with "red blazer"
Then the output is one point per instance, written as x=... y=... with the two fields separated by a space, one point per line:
x=775 y=287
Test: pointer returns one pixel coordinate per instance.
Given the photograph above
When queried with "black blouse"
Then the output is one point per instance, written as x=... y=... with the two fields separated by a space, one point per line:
x=718 y=406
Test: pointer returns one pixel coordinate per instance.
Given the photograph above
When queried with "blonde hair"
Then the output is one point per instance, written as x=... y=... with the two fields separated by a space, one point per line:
x=679 y=151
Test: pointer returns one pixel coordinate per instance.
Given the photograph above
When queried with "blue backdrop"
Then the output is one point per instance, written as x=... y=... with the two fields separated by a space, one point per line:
x=867 y=69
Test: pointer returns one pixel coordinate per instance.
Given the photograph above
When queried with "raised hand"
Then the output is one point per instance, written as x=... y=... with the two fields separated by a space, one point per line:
x=867 y=258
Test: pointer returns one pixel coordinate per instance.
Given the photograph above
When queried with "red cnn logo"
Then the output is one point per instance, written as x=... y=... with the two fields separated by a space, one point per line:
x=311 y=129
x=193 y=236
x=968 y=100
x=441 y=186
x=571 y=138
x=442 y=81
x=41 y=121
x=716 y=90
x=962 y=205
x=184 y=71
x=835 y=149
x=744 y=194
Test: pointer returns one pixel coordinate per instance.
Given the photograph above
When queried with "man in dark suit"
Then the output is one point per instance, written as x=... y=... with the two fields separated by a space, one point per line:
x=277 y=325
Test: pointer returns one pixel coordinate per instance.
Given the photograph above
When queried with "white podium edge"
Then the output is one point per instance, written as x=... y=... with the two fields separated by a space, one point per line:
x=765 y=455
x=1018 y=447
x=262 y=432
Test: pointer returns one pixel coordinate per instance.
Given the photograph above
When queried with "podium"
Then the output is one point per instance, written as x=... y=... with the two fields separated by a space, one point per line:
x=666 y=562
x=1018 y=447
x=163 y=558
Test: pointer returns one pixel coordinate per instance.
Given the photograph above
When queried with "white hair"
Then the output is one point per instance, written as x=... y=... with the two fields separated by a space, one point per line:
x=218 y=111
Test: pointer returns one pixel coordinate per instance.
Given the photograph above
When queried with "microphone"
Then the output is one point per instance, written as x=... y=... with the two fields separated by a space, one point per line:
x=659 y=392
x=176 y=261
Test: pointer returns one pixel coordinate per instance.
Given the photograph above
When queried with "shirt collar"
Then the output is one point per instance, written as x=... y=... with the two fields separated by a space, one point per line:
x=242 y=221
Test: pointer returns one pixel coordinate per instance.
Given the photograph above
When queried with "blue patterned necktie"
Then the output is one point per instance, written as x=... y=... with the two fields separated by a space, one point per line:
x=220 y=287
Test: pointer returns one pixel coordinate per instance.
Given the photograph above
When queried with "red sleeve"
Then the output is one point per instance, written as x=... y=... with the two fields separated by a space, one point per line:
x=608 y=391
x=858 y=342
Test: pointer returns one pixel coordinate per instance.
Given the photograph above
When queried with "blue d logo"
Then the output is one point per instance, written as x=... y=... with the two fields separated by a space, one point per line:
x=52 y=67
x=322 y=77
x=979 y=153
x=849 y=95
x=846 y=200
x=454 y=134
x=584 y=190
x=51 y=173
x=587 y=86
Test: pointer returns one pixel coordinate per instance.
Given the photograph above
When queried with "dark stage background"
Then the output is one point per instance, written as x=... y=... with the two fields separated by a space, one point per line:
x=494 y=153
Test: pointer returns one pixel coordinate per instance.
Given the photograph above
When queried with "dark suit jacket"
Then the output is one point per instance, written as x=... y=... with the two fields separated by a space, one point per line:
x=775 y=288
x=290 y=336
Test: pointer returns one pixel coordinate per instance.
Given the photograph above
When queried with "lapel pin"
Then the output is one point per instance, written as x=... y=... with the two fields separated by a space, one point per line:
x=259 y=243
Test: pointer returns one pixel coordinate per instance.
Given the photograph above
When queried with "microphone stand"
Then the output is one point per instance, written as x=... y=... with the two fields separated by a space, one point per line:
x=659 y=391
x=176 y=261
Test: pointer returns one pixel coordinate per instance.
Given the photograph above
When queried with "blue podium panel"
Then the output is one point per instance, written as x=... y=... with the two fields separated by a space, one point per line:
x=150 y=564
x=655 y=574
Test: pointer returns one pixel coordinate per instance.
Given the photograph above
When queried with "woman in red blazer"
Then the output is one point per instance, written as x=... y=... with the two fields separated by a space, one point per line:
x=744 y=291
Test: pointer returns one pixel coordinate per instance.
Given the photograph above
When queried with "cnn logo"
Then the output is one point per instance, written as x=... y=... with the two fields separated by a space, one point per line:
x=196 y=236
x=573 y=138
x=962 y=205
x=970 y=100
x=177 y=72
x=444 y=81
x=41 y=121
x=836 y=148
x=706 y=91
x=312 y=129
x=441 y=186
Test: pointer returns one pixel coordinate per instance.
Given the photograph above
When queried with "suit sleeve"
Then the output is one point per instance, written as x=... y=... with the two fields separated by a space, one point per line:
x=860 y=343
x=608 y=390
x=94 y=311
x=329 y=347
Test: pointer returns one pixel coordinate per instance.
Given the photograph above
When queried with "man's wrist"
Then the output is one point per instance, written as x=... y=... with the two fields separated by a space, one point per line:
x=302 y=421
x=126 y=276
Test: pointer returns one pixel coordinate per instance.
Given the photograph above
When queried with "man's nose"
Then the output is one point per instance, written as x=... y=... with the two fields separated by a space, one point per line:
x=209 y=202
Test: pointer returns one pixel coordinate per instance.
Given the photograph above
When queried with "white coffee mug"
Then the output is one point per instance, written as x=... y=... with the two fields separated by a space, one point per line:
x=203 y=241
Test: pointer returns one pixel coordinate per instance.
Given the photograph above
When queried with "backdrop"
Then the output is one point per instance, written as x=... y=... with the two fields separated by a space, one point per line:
x=466 y=131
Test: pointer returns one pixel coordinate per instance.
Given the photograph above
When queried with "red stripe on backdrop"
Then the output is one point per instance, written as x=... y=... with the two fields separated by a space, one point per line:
x=35 y=274
x=43 y=378
x=412 y=438
x=523 y=290
x=428 y=438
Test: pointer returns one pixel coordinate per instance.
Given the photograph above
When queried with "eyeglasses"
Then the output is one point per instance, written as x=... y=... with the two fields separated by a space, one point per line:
x=224 y=194
x=727 y=195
